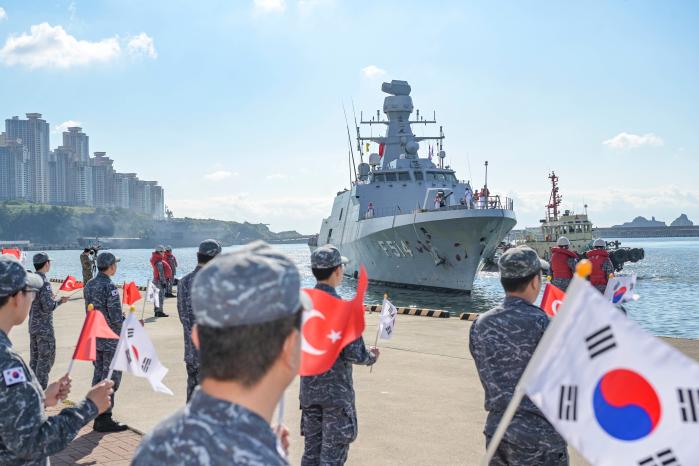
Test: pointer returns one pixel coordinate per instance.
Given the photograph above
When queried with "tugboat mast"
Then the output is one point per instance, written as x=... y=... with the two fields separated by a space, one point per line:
x=554 y=200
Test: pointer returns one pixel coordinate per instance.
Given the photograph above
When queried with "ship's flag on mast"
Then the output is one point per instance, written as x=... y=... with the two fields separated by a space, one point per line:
x=382 y=146
x=617 y=394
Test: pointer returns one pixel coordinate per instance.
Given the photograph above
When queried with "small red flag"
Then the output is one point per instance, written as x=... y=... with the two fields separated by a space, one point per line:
x=381 y=149
x=331 y=325
x=94 y=327
x=70 y=284
x=13 y=251
x=131 y=293
x=552 y=299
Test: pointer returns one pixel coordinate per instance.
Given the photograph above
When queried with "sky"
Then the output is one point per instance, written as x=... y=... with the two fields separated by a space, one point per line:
x=236 y=107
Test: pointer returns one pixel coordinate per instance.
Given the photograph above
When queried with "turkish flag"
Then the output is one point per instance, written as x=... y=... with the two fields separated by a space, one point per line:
x=94 y=327
x=13 y=252
x=70 y=284
x=331 y=325
x=552 y=299
x=131 y=293
x=381 y=149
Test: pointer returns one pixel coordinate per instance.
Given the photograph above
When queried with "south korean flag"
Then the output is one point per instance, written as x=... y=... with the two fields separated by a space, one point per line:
x=617 y=394
x=136 y=354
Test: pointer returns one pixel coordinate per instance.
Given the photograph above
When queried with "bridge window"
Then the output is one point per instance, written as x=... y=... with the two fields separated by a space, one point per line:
x=391 y=177
x=379 y=178
x=403 y=176
x=419 y=176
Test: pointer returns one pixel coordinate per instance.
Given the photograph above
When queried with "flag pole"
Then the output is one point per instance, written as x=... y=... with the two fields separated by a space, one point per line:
x=583 y=269
x=280 y=422
x=145 y=298
x=378 y=329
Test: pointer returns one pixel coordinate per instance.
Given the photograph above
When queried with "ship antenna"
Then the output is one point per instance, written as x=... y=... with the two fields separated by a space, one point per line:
x=359 y=143
x=468 y=160
x=349 y=142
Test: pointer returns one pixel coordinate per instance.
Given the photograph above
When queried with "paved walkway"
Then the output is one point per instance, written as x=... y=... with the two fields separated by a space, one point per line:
x=95 y=448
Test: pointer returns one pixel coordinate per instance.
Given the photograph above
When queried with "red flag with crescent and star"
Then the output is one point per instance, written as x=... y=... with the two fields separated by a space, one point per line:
x=331 y=325
x=131 y=293
x=552 y=299
x=71 y=284
x=95 y=326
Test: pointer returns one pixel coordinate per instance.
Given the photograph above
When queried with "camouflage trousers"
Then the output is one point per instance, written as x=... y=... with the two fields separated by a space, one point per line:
x=192 y=379
x=101 y=364
x=162 y=286
x=561 y=283
x=328 y=432
x=509 y=454
x=42 y=354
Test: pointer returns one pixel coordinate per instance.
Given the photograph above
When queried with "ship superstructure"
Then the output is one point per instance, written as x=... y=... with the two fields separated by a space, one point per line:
x=410 y=221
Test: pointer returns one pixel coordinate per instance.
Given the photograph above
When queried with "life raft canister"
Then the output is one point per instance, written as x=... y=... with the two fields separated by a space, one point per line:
x=598 y=257
x=559 y=262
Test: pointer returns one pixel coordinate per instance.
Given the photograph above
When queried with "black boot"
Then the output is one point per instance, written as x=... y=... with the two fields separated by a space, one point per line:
x=105 y=423
x=161 y=314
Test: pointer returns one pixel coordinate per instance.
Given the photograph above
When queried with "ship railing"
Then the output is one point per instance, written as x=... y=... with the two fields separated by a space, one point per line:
x=491 y=203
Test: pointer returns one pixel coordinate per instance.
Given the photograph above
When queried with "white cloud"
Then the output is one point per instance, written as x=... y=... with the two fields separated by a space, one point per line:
x=270 y=6
x=52 y=46
x=65 y=125
x=220 y=175
x=625 y=140
x=3 y=14
x=372 y=71
x=277 y=176
x=306 y=7
x=142 y=44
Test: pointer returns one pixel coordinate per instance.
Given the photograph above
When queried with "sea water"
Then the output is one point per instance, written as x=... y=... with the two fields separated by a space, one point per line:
x=667 y=282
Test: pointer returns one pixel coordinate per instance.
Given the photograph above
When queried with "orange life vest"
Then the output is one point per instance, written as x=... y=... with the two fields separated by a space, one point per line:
x=559 y=262
x=598 y=257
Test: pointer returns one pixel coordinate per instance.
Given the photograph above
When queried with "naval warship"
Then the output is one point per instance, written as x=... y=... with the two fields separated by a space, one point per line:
x=408 y=220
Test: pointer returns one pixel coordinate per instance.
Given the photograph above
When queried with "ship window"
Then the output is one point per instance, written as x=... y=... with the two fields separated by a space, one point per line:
x=450 y=177
x=341 y=210
x=379 y=178
x=435 y=176
x=390 y=177
x=330 y=234
x=419 y=176
x=403 y=176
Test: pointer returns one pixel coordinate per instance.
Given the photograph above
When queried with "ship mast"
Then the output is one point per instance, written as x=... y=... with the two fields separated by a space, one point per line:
x=554 y=200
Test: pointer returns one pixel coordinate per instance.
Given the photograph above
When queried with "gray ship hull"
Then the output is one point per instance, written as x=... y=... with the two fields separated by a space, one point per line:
x=441 y=249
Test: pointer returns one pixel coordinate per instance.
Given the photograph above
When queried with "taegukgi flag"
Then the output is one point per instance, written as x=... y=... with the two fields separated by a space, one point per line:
x=136 y=354
x=617 y=394
x=153 y=294
x=621 y=289
x=388 y=319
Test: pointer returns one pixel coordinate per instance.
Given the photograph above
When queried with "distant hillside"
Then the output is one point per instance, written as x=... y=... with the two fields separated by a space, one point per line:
x=64 y=226
x=642 y=222
x=682 y=221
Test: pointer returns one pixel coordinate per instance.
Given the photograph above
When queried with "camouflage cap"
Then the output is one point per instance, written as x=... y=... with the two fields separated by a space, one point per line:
x=326 y=257
x=252 y=285
x=40 y=258
x=13 y=277
x=105 y=259
x=210 y=247
x=520 y=262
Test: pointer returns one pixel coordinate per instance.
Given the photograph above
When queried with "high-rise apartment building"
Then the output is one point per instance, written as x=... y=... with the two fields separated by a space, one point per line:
x=33 y=133
x=79 y=143
x=102 y=180
x=14 y=158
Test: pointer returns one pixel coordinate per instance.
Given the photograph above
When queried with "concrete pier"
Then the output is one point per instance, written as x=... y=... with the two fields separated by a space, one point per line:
x=423 y=403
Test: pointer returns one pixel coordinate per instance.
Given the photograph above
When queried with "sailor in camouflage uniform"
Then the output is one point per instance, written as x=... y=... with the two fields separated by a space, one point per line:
x=248 y=307
x=208 y=249
x=502 y=341
x=27 y=435
x=104 y=296
x=328 y=413
x=42 y=340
